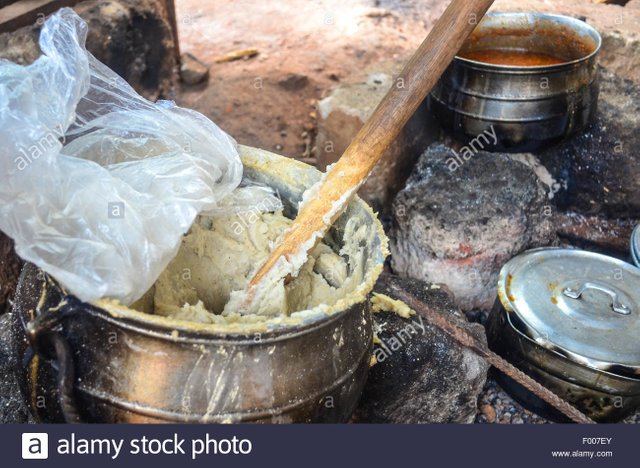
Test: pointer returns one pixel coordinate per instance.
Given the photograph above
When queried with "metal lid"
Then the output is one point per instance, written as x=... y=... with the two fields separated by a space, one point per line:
x=635 y=246
x=582 y=305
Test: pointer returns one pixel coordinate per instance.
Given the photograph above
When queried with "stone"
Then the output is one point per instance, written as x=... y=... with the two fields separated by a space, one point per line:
x=458 y=225
x=344 y=112
x=293 y=82
x=599 y=170
x=489 y=413
x=132 y=37
x=10 y=266
x=21 y=46
x=596 y=233
x=430 y=378
x=192 y=70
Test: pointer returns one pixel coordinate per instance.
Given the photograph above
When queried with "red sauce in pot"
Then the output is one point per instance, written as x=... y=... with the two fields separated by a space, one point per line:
x=513 y=57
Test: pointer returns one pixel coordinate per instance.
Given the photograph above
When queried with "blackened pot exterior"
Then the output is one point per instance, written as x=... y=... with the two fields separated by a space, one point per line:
x=527 y=108
x=128 y=373
x=603 y=396
x=94 y=365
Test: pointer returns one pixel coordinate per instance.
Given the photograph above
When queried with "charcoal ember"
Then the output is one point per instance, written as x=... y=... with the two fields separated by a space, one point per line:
x=458 y=225
x=421 y=375
x=599 y=170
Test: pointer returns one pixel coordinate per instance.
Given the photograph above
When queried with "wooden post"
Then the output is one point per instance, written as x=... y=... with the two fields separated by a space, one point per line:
x=171 y=15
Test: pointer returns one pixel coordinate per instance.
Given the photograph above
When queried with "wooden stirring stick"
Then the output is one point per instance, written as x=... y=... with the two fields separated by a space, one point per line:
x=409 y=90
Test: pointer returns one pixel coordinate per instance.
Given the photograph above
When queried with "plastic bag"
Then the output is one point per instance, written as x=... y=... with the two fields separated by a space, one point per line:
x=97 y=184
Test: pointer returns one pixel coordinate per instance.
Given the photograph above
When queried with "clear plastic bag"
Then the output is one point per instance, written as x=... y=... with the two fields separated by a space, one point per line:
x=97 y=184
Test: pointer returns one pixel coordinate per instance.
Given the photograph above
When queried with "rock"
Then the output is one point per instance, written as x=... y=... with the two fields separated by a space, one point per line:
x=459 y=225
x=496 y=406
x=599 y=170
x=619 y=27
x=344 y=112
x=620 y=53
x=489 y=413
x=429 y=378
x=21 y=46
x=12 y=406
x=10 y=266
x=132 y=37
x=293 y=82
x=192 y=70
x=596 y=233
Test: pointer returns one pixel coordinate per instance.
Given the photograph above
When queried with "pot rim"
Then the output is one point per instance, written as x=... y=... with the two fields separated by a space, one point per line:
x=635 y=246
x=629 y=371
x=563 y=354
x=577 y=25
x=298 y=322
x=182 y=331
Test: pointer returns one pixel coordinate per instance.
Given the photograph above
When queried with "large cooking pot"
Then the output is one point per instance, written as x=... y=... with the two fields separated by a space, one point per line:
x=526 y=107
x=106 y=363
x=571 y=320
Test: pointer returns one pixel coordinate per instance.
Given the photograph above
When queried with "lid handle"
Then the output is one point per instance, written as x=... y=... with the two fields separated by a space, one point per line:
x=616 y=304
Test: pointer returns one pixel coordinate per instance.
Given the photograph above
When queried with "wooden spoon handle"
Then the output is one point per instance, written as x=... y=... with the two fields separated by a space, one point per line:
x=410 y=88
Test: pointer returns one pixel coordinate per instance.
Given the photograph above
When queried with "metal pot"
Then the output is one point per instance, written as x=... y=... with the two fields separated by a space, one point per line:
x=635 y=246
x=528 y=107
x=571 y=320
x=114 y=364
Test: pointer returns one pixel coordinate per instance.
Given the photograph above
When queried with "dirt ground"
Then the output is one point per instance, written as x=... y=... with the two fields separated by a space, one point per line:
x=305 y=48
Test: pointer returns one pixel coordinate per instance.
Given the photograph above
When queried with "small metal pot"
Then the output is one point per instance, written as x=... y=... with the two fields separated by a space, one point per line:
x=528 y=107
x=635 y=246
x=571 y=320
x=86 y=362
